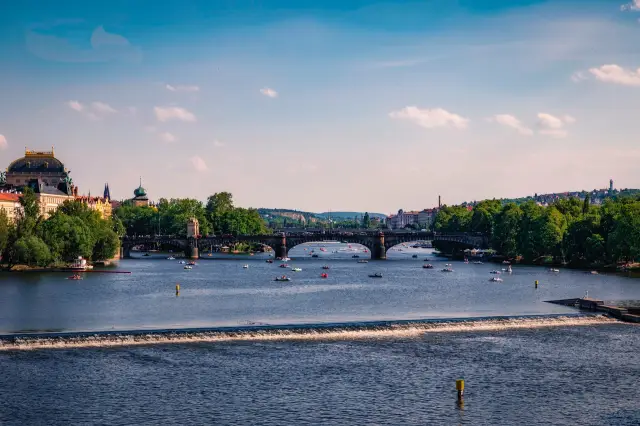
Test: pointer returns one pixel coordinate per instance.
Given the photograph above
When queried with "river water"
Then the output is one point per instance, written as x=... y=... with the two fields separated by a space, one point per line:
x=583 y=370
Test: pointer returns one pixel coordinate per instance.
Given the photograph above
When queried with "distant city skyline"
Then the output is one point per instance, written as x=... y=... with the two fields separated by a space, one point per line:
x=354 y=105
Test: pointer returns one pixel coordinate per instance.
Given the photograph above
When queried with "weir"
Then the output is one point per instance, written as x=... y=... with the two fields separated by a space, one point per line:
x=326 y=331
x=627 y=314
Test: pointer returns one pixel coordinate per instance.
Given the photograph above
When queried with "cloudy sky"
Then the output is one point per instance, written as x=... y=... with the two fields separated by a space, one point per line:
x=318 y=105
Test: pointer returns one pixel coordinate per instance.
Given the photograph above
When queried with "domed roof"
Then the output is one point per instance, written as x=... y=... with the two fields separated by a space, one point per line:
x=139 y=191
x=36 y=161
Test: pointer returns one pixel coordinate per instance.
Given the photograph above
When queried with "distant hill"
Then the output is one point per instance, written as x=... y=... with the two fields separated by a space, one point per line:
x=349 y=215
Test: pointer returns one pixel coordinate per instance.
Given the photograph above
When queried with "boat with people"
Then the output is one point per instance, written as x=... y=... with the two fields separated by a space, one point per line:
x=324 y=275
x=314 y=255
x=284 y=265
x=146 y=255
x=80 y=264
x=496 y=279
x=355 y=256
x=285 y=259
x=269 y=260
x=426 y=259
x=192 y=263
x=363 y=261
x=415 y=256
x=296 y=269
x=326 y=267
x=506 y=262
x=495 y=272
x=171 y=258
x=376 y=275
x=283 y=278
x=477 y=262
x=245 y=266
x=428 y=266
x=447 y=270
x=181 y=262
x=75 y=277
x=188 y=267
x=554 y=270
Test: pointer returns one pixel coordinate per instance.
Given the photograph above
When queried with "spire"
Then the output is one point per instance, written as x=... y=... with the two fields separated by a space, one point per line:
x=107 y=193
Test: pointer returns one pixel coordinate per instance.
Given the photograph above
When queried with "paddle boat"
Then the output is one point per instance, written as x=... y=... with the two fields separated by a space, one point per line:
x=554 y=270
x=171 y=258
x=314 y=255
x=245 y=267
x=376 y=275
x=477 y=262
x=192 y=263
x=75 y=277
x=363 y=261
x=447 y=270
x=283 y=278
x=324 y=275
x=325 y=267
x=355 y=256
x=496 y=279
x=296 y=269
x=284 y=265
x=181 y=262
x=426 y=259
x=428 y=266
x=188 y=267
x=415 y=256
x=495 y=272
x=269 y=260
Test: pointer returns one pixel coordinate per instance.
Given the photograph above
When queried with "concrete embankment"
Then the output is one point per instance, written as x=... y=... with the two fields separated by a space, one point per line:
x=629 y=314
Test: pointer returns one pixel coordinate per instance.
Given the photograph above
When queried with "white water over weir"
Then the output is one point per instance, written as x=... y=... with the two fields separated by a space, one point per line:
x=336 y=331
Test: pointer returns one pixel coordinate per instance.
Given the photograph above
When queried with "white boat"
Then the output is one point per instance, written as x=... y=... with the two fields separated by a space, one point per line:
x=80 y=264
x=246 y=266
x=296 y=269
x=188 y=267
x=495 y=272
x=496 y=279
x=554 y=270
x=447 y=270
x=182 y=262
x=171 y=258
x=363 y=261
x=284 y=259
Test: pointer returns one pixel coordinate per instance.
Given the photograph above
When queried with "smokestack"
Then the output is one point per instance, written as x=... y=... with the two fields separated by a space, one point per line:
x=439 y=202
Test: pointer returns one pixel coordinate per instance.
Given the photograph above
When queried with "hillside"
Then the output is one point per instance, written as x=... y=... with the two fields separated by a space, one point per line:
x=349 y=215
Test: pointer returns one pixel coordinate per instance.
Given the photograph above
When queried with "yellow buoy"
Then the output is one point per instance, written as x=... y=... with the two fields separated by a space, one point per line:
x=536 y=283
x=460 y=388
x=177 y=289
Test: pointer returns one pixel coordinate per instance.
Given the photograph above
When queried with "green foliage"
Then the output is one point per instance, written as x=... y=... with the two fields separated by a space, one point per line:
x=175 y=213
x=5 y=230
x=67 y=236
x=30 y=250
x=227 y=219
x=366 y=221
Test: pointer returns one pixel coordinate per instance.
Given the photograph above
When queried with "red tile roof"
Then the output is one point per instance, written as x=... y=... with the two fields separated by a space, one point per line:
x=9 y=196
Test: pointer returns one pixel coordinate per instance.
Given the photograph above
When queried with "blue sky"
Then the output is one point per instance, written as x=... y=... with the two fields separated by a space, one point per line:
x=345 y=105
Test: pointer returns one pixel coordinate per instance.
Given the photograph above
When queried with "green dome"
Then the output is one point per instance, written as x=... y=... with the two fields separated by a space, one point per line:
x=139 y=191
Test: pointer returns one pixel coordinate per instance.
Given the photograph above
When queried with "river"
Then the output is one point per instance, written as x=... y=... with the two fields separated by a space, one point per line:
x=580 y=371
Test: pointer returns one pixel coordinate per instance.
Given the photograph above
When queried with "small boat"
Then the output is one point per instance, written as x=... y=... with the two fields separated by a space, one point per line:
x=447 y=270
x=426 y=259
x=495 y=272
x=314 y=255
x=210 y=254
x=466 y=262
x=506 y=262
x=415 y=256
x=296 y=269
x=284 y=265
x=192 y=263
x=80 y=264
x=269 y=260
x=146 y=255
x=245 y=267
x=448 y=264
x=188 y=267
x=283 y=278
x=428 y=266
x=182 y=262
x=355 y=256
x=496 y=279
x=363 y=261
x=477 y=262
x=324 y=275
x=554 y=270
x=509 y=270
x=285 y=259
x=593 y=272
x=325 y=267
x=171 y=258
x=376 y=275
x=75 y=277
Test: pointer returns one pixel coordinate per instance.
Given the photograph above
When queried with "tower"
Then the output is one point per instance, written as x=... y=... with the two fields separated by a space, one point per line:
x=610 y=186
x=107 y=193
x=439 y=202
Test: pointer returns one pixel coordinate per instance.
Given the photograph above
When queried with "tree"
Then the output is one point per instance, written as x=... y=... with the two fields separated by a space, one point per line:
x=585 y=205
x=5 y=230
x=217 y=206
x=366 y=221
x=624 y=241
x=68 y=237
x=30 y=250
x=29 y=213
x=106 y=244
x=175 y=213
x=506 y=230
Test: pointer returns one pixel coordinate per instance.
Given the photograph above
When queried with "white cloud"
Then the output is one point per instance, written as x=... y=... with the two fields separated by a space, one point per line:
x=612 y=73
x=173 y=113
x=167 y=137
x=269 y=92
x=511 y=121
x=182 y=88
x=102 y=108
x=198 y=164
x=3 y=142
x=634 y=6
x=578 y=76
x=75 y=105
x=430 y=118
x=217 y=143
x=553 y=126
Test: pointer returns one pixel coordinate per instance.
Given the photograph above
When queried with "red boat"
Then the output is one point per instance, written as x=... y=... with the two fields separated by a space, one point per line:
x=284 y=265
x=324 y=275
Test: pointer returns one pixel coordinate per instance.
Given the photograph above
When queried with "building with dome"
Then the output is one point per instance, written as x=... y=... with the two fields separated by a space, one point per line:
x=36 y=165
x=140 y=198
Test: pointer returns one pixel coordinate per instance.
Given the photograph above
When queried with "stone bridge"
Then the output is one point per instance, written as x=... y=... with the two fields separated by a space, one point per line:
x=376 y=241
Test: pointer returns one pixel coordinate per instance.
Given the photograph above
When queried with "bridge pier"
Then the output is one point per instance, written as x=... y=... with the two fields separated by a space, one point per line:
x=379 y=252
x=192 y=249
x=125 y=252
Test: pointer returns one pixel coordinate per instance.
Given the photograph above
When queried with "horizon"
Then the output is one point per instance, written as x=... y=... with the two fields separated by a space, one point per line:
x=366 y=105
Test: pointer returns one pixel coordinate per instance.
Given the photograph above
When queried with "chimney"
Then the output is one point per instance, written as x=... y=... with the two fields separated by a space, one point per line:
x=439 y=202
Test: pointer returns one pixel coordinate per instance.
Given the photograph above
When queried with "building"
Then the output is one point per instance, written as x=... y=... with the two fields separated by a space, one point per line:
x=193 y=228
x=426 y=218
x=36 y=165
x=50 y=197
x=402 y=219
x=140 y=196
x=10 y=203
x=99 y=204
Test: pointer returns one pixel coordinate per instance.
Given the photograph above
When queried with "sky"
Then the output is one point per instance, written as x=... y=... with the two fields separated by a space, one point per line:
x=350 y=105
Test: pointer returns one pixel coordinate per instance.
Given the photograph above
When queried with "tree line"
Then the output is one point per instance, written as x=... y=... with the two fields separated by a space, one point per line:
x=169 y=217
x=73 y=230
x=571 y=231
